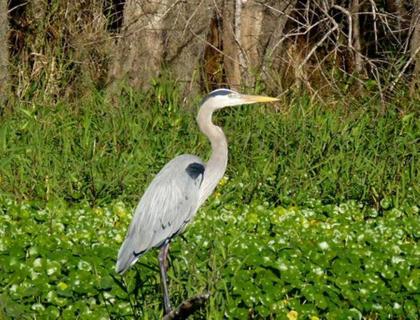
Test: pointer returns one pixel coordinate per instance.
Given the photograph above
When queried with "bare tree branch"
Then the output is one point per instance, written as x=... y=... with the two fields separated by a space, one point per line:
x=410 y=61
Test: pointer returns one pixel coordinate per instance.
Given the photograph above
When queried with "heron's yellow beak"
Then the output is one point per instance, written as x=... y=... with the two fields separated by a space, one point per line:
x=256 y=99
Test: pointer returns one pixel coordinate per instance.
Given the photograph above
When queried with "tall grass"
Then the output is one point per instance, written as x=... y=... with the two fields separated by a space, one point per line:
x=98 y=151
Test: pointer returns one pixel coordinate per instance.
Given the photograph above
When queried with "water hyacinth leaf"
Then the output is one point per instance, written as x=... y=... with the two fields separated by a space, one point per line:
x=106 y=282
x=320 y=261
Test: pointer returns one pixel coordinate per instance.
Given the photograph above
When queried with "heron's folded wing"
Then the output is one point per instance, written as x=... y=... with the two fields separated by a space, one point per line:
x=166 y=207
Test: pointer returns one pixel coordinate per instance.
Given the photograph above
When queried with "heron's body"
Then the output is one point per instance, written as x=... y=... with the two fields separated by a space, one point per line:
x=169 y=203
x=179 y=189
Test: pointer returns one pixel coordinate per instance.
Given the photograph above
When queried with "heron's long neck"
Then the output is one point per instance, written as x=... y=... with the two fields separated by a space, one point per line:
x=216 y=166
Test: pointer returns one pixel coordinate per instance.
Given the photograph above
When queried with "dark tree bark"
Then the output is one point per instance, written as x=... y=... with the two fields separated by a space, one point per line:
x=4 y=52
x=212 y=74
x=415 y=49
x=357 y=44
x=358 y=63
x=273 y=41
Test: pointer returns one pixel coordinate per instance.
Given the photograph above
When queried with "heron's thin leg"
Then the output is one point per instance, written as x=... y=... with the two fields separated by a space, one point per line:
x=163 y=264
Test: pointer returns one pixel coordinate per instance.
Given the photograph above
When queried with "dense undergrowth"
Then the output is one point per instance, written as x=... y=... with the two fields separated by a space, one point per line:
x=317 y=216
x=99 y=152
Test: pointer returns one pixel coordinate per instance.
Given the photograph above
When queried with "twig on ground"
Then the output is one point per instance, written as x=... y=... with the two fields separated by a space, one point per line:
x=187 y=307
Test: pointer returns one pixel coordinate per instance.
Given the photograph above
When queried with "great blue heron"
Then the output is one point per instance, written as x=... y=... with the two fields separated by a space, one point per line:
x=183 y=184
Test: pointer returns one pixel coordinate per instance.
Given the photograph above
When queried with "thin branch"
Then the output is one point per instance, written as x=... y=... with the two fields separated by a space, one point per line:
x=350 y=24
x=375 y=28
x=283 y=13
x=392 y=86
x=316 y=46
x=295 y=34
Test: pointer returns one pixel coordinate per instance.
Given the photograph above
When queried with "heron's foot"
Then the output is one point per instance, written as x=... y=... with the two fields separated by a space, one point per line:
x=187 y=307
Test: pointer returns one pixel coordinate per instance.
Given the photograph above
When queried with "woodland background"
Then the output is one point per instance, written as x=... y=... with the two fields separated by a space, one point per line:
x=67 y=48
x=317 y=216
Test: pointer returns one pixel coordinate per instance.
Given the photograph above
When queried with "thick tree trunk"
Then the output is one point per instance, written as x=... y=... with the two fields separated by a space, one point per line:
x=231 y=46
x=232 y=54
x=160 y=35
x=251 y=27
x=4 y=52
x=139 y=52
x=242 y=25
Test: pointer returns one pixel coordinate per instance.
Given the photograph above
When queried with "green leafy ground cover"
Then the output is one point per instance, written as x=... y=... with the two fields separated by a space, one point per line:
x=263 y=247
x=320 y=261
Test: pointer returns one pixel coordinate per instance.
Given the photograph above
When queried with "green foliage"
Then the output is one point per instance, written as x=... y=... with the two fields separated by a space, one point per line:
x=262 y=246
x=100 y=152
x=257 y=261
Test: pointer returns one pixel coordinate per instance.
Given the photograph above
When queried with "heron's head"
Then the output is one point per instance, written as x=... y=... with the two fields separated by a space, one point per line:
x=222 y=98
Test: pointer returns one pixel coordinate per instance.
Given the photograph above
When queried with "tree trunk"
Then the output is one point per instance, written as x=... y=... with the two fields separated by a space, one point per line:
x=139 y=52
x=160 y=35
x=357 y=46
x=212 y=61
x=4 y=52
x=242 y=25
x=355 y=9
x=186 y=25
x=415 y=49
x=272 y=41
x=251 y=27
x=231 y=46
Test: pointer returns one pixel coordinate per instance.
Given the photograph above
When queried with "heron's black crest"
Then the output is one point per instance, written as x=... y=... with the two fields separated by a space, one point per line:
x=195 y=169
x=217 y=92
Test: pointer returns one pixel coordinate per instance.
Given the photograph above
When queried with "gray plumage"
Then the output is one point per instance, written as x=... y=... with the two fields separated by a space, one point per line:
x=180 y=188
x=167 y=205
